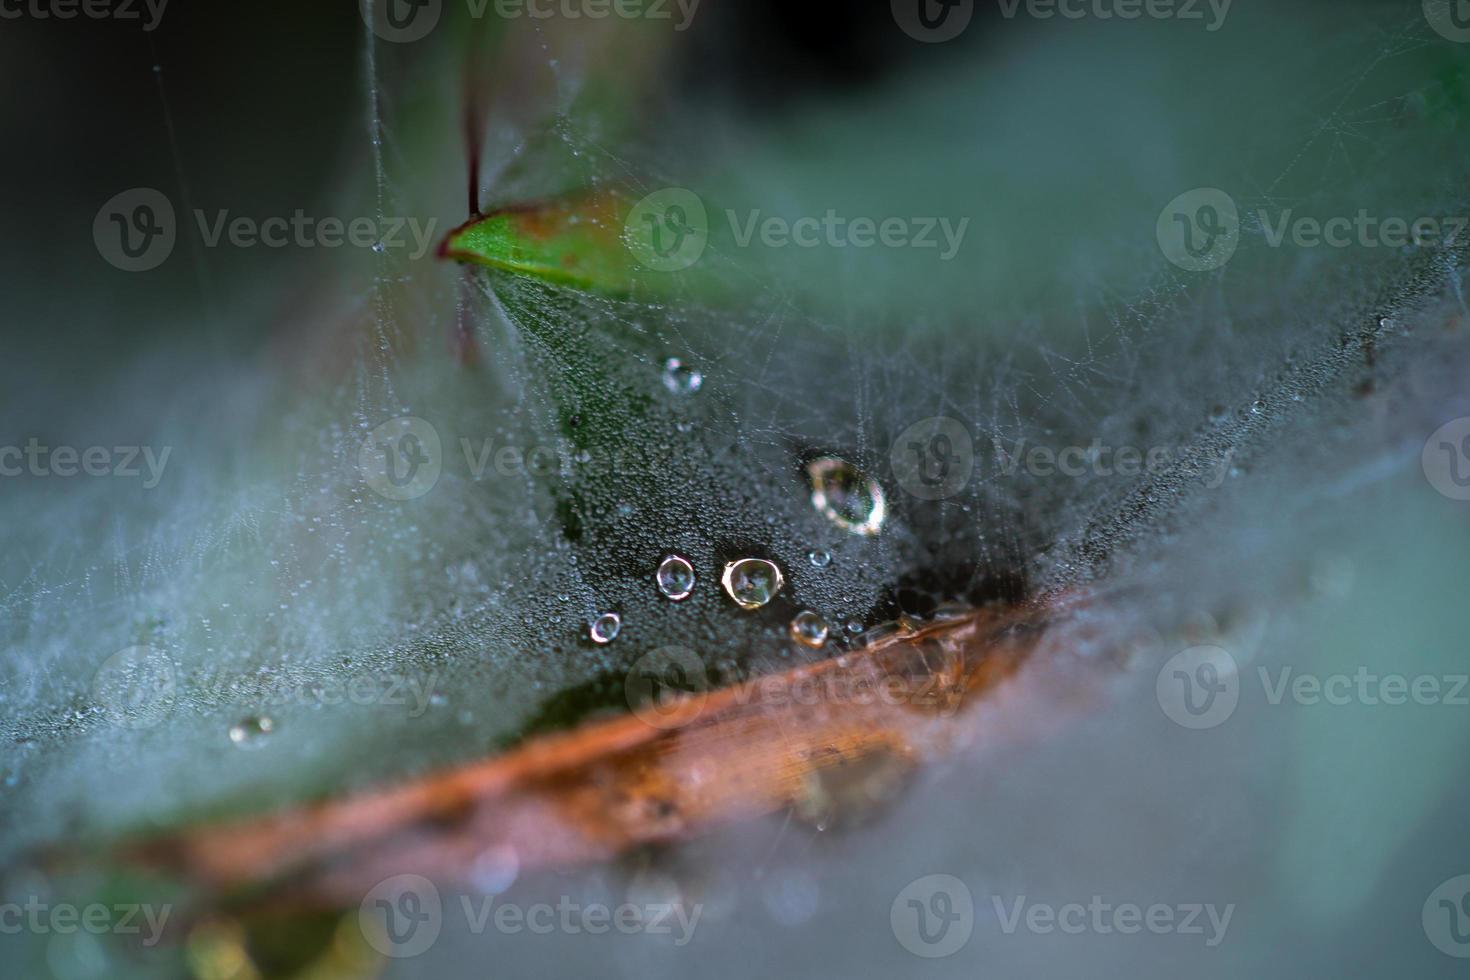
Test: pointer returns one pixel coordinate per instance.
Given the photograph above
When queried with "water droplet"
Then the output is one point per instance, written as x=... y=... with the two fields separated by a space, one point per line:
x=809 y=629
x=846 y=496
x=680 y=378
x=752 y=582
x=819 y=559
x=379 y=247
x=250 y=733
x=495 y=869
x=675 y=577
x=605 y=627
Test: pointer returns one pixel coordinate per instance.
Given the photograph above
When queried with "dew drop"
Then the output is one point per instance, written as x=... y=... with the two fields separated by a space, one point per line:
x=250 y=733
x=809 y=629
x=675 y=577
x=752 y=582
x=819 y=559
x=680 y=378
x=846 y=496
x=605 y=627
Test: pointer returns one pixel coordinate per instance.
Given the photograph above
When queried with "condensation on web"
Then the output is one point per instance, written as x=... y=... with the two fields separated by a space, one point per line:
x=278 y=570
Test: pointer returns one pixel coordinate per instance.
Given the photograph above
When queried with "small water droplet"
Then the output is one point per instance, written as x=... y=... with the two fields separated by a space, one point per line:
x=809 y=629
x=819 y=559
x=675 y=577
x=379 y=247
x=846 y=496
x=680 y=378
x=752 y=582
x=495 y=869
x=605 y=627
x=250 y=733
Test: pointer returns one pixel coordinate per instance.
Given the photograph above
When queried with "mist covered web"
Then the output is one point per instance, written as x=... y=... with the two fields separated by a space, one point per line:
x=270 y=570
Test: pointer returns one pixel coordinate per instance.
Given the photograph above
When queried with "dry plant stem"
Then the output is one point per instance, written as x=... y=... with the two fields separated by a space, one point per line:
x=591 y=793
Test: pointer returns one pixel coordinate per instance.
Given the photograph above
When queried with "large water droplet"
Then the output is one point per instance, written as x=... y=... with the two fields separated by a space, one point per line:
x=675 y=577
x=846 y=496
x=250 y=733
x=809 y=629
x=680 y=378
x=752 y=582
x=605 y=627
